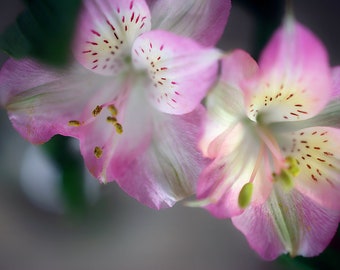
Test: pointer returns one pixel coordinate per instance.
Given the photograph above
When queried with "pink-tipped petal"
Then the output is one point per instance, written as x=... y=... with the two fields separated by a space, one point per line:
x=41 y=101
x=225 y=101
x=296 y=78
x=238 y=67
x=202 y=20
x=180 y=70
x=168 y=169
x=106 y=31
x=288 y=223
x=316 y=152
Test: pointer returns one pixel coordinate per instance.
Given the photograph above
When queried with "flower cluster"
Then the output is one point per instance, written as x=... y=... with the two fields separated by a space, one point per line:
x=263 y=151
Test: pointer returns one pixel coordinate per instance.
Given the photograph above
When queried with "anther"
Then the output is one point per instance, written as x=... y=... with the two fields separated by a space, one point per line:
x=113 y=110
x=97 y=110
x=74 y=123
x=244 y=198
x=119 y=128
x=111 y=119
x=98 y=151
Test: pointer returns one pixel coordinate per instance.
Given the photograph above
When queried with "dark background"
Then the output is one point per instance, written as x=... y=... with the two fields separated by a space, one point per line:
x=116 y=232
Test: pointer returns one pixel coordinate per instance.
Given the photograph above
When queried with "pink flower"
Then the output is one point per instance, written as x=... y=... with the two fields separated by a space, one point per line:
x=133 y=102
x=273 y=132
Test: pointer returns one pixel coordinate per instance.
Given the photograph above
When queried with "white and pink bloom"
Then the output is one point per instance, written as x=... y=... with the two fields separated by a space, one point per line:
x=133 y=96
x=273 y=133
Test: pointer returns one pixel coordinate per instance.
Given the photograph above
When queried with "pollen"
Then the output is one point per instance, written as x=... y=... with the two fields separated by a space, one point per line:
x=111 y=119
x=97 y=110
x=119 y=128
x=113 y=110
x=74 y=123
x=98 y=152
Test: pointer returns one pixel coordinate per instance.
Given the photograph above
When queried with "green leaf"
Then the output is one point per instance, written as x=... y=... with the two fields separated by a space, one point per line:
x=71 y=167
x=43 y=31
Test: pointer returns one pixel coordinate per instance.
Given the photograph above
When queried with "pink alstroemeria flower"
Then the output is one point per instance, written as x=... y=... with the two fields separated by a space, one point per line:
x=132 y=97
x=273 y=133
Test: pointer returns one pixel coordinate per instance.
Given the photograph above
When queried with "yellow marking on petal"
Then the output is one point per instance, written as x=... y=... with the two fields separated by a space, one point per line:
x=285 y=179
x=286 y=176
x=244 y=198
x=74 y=123
x=293 y=167
x=113 y=110
x=97 y=110
x=111 y=119
x=98 y=151
x=119 y=128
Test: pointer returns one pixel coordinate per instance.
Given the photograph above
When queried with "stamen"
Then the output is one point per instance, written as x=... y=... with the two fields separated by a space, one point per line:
x=111 y=119
x=119 y=128
x=257 y=164
x=245 y=195
x=274 y=148
x=74 y=123
x=97 y=110
x=113 y=110
x=244 y=198
x=98 y=151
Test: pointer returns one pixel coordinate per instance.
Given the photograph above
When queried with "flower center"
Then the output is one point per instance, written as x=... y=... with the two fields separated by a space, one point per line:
x=106 y=33
x=285 y=178
x=111 y=118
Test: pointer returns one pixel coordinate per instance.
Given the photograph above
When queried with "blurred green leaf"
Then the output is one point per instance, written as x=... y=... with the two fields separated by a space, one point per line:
x=71 y=167
x=43 y=31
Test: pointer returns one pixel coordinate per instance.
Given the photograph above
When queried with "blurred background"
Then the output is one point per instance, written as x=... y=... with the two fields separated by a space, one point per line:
x=49 y=223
